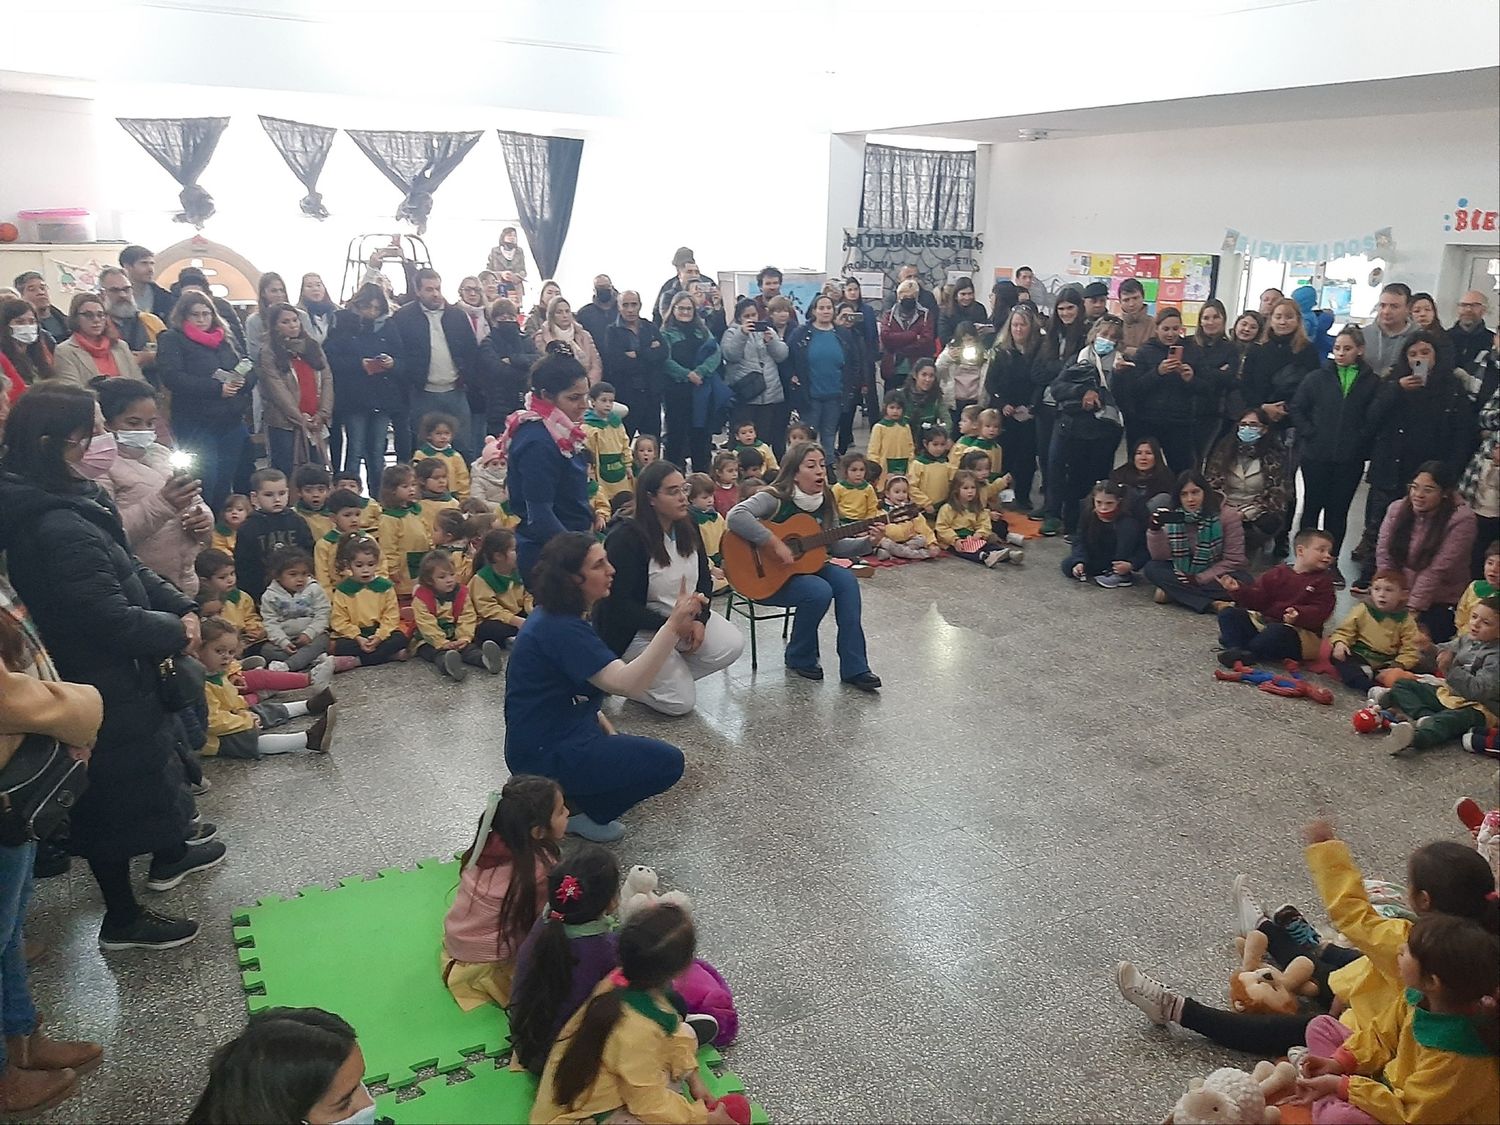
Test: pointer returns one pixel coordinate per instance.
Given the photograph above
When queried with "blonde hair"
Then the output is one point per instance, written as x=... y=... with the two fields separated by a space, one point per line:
x=1299 y=333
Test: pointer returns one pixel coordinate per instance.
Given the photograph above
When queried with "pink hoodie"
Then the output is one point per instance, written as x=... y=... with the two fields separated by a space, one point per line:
x=152 y=527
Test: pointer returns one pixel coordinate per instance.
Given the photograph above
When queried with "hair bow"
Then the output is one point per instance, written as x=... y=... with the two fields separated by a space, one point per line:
x=568 y=890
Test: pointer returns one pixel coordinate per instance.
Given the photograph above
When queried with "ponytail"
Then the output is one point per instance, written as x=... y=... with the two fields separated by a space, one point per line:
x=1457 y=881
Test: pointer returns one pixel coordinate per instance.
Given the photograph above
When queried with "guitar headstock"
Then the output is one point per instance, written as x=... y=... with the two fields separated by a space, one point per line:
x=901 y=514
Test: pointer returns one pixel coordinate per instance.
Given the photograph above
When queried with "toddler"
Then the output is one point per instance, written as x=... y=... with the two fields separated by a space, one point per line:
x=269 y=526
x=710 y=521
x=799 y=432
x=604 y=432
x=237 y=730
x=925 y=402
x=643 y=451
x=891 y=444
x=432 y=486
x=313 y=484
x=749 y=488
x=853 y=493
x=487 y=475
x=960 y=370
x=746 y=437
x=502 y=890
x=436 y=432
x=445 y=622
x=752 y=464
x=350 y=482
x=910 y=538
x=452 y=532
x=501 y=603
x=963 y=525
x=1377 y=636
x=931 y=472
x=1480 y=588
x=296 y=612
x=1110 y=545
x=403 y=533
x=366 y=618
x=1464 y=701
x=1280 y=616
x=232 y=515
x=218 y=595
x=347 y=510
x=726 y=477
x=991 y=486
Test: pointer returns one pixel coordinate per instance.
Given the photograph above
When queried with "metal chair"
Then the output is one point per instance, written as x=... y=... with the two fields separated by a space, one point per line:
x=751 y=611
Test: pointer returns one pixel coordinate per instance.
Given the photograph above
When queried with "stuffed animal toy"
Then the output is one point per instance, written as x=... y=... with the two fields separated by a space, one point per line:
x=1232 y=1097
x=1292 y=683
x=639 y=889
x=703 y=990
x=1487 y=840
x=1370 y=719
x=1259 y=987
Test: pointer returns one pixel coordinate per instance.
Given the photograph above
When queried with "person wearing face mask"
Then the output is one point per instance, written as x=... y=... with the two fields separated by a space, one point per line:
x=93 y=348
x=508 y=263
x=601 y=312
x=368 y=394
x=108 y=620
x=161 y=507
x=1249 y=466
x=289 y=1066
x=25 y=355
x=1088 y=424
x=907 y=331
x=33 y=289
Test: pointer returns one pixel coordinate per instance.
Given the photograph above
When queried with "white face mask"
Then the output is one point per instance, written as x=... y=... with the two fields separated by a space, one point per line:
x=134 y=439
x=807 y=501
x=365 y=1116
x=25 y=333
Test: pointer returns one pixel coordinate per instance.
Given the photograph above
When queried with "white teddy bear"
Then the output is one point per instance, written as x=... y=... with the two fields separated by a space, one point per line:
x=639 y=889
x=1232 y=1097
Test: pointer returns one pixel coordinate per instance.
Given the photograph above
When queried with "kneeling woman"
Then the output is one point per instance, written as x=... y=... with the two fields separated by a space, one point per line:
x=802 y=486
x=559 y=673
x=655 y=554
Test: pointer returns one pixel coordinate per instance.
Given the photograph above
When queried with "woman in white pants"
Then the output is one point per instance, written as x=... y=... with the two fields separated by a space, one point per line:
x=657 y=555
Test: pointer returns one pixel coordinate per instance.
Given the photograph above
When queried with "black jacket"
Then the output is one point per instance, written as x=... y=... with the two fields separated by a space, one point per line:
x=410 y=324
x=107 y=621
x=1332 y=426
x=1435 y=422
x=1016 y=379
x=1278 y=370
x=595 y=318
x=1243 y=385
x=187 y=370
x=947 y=323
x=1468 y=343
x=504 y=371
x=350 y=342
x=619 y=617
x=1172 y=399
x=644 y=373
x=260 y=535
x=1074 y=421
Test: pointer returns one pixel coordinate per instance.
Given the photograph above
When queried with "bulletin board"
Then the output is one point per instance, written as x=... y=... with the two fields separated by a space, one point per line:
x=1182 y=281
x=800 y=286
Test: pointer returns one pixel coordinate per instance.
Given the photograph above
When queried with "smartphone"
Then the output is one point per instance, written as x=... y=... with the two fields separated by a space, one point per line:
x=1168 y=515
x=181 y=462
x=1174 y=353
x=1419 y=369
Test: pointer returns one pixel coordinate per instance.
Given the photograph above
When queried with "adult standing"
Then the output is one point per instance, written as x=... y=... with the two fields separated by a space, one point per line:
x=296 y=387
x=1063 y=342
x=1392 y=327
x=1420 y=414
x=1089 y=423
x=1424 y=315
x=1194 y=545
x=925 y=296
x=547 y=455
x=561 y=327
x=965 y=309
x=1249 y=468
x=866 y=326
x=1003 y=297
x=822 y=355
x=471 y=304
x=692 y=360
x=1469 y=333
x=1139 y=326
x=505 y=359
x=1268 y=299
x=35 y=1072
x=1211 y=352
x=1095 y=301
x=1331 y=414
x=33 y=289
x=508 y=262
x=753 y=353
x=1173 y=401
x=907 y=331
x=537 y=317
x=139 y=329
x=768 y=283
x=368 y=394
x=656 y=554
x=1428 y=535
x=602 y=311
x=210 y=385
x=93 y=347
x=1480 y=484
x=1284 y=359
x=139 y=265
x=108 y=621
x=635 y=364
x=559 y=672
x=270 y=290
x=438 y=353
x=1013 y=386
x=1242 y=387
x=161 y=508
x=313 y=299
x=687 y=274
x=802 y=486
x=191 y=277
x=25 y=354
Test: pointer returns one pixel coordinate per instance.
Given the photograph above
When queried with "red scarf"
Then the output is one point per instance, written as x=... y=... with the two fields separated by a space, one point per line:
x=210 y=339
x=307 y=385
x=568 y=434
x=102 y=351
x=15 y=385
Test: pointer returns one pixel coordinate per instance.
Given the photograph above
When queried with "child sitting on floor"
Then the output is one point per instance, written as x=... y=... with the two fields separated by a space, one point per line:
x=1461 y=704
x=627 y=1050
x=451 y=534
x=1110 y=545
x=237 y=730
x=604 y=433
x=445 y=622
x=232 y=516
x=432 y=489
x=991 y=487
x=726 y=476
x=403 y=533
x=501 y=602
x=910 y=537
x=644 y=449
x=296 y=613
x=437 y=432
x=366 y=617
x=502 y=890
x=963 y=525
x=270 y=526
x=709 y=519
x=1480 y=588
x=313 y=484
x=931 y=473
x=799 y=432
x=853 y=492
x=1280 y=616
x=351 y=482
x=347 y=510
x=571 y=948
x=218 y=595
x=891 y=445
x=1377 y=637
x=746 y=437
x=487 y=476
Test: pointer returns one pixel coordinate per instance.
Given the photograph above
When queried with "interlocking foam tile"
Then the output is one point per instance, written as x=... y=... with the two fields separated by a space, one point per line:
x=368 y=950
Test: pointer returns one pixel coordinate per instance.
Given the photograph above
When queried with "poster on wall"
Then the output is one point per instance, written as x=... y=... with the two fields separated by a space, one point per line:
x=1181 y=280
x=798 y=286
x=936 y=253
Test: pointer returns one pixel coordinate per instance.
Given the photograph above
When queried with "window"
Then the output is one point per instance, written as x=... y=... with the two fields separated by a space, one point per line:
x=917 y=189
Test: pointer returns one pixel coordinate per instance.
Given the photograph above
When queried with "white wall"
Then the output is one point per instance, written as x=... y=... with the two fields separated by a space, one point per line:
x=1309 y=181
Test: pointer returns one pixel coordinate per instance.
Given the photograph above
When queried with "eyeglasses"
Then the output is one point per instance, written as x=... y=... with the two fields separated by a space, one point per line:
x=679 y=490
x=1471 y=304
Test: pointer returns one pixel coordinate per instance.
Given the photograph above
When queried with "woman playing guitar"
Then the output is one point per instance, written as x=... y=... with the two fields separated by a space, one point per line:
x=802 y=486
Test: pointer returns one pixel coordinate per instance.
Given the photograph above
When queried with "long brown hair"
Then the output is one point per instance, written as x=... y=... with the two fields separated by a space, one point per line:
x=312 y=351
x=645 y=519
x=1401 y=546
x=526 y=802
x=33 y=362
x=785 y=479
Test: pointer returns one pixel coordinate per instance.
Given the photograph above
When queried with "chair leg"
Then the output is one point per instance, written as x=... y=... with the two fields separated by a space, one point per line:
x=754 y=655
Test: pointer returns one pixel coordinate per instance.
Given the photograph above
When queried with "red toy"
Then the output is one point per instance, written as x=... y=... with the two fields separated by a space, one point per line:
x=1292 y=684
x=736 y=1105
x=1370 y=719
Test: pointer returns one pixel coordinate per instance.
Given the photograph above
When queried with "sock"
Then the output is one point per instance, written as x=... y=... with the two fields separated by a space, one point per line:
x=282 y=743
x=1174 y=1005
x=296 y=710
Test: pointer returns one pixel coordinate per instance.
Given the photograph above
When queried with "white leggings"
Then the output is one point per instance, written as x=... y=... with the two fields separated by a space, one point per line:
x=673 y=691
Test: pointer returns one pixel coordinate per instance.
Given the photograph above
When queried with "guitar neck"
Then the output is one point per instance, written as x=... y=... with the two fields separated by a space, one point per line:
x=843 y=531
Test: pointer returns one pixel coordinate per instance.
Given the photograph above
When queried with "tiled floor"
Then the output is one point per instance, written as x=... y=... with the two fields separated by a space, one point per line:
x=918 y=898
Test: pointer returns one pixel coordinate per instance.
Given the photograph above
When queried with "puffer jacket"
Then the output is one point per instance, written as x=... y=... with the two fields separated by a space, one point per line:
x=1333 y=426
x=1172 y=399
x=744 y=356
x=152 y=526
x=186 y=368
x=1434 y=422
x=350 y=342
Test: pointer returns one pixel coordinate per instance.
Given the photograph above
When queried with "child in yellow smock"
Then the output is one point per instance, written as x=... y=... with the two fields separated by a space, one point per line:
x=403 y=532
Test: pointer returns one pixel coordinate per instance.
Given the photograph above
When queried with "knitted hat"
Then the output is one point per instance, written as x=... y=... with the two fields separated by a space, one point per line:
x=683 y=256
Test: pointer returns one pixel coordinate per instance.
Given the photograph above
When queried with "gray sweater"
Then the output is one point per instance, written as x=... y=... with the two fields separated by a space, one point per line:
x=744 y=520
x=1475 y=671
x=1382 y=351
x=744 y=355
x=287 y=615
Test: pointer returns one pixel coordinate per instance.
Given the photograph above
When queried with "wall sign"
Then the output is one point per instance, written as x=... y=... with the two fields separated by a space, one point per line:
x=1465 y=217
x=1377 y=244
x=933 y=252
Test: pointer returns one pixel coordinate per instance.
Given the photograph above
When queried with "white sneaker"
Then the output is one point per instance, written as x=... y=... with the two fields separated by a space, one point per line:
x=1015 y=539
x=1248 y=912
x=277 y=666
x=1401 y=737
x=995 y=558
x=1152 y=997
x=321 y=673
x=1377 y=694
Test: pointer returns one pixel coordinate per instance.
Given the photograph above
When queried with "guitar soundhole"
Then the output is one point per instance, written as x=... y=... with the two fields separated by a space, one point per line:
x=794 y=544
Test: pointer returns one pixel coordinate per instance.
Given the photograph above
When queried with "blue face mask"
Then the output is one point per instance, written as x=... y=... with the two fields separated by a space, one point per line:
x=1249 y=434
x=1103 y=345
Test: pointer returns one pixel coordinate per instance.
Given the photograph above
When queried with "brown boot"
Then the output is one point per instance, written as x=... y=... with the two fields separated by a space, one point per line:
x=319 y=703
x=37 y=1052
x=31 y=1091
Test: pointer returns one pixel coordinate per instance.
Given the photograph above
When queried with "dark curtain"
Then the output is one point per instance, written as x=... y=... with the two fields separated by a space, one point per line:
x=305 y=150
x=183 y=146
x=543 y=177
x=416 y=163
x=917 y=189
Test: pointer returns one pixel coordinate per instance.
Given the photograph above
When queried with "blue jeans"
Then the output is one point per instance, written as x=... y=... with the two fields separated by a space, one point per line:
x=605 y=774
x=16 y=1009
x=218 y=453
x=822 y=415
x=365 y=442
x=282 y=446
x=809 y=595
x=454 y=403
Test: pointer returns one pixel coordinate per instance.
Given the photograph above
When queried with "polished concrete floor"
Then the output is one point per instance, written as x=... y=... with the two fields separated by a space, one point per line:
x=919 y=898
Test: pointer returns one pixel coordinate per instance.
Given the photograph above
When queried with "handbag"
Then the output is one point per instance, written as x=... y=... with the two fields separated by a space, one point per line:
x=750 y=386
x=38 y=788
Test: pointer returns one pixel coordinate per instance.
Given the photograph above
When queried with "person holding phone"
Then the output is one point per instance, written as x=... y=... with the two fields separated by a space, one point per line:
x=753 y=353
x=369 y=399
x=1174 y=401
x=1193 y=544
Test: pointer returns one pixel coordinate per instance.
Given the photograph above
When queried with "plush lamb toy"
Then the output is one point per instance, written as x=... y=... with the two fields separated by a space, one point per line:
x=1232 y=1097
x=639 y=889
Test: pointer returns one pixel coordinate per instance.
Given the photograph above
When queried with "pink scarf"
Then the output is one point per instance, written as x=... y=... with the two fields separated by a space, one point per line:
x=210 y=339
x=569 y=435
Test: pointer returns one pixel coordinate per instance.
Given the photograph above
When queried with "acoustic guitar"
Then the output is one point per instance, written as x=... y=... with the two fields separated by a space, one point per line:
x=757 y=574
